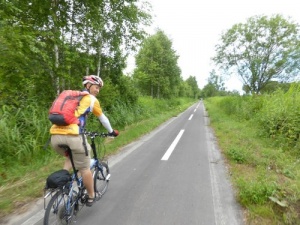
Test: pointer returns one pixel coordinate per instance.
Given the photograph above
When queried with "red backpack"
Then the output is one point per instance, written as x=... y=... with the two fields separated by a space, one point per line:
x=62 y=111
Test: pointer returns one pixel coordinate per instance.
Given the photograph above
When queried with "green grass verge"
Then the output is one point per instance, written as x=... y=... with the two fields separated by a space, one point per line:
x=266 y=178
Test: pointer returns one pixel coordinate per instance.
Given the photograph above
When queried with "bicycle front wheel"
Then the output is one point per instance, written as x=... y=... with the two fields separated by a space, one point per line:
x=101 y=178
x=59 y=210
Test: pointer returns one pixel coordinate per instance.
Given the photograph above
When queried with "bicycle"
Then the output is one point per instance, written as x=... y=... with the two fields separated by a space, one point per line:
x=68 y=200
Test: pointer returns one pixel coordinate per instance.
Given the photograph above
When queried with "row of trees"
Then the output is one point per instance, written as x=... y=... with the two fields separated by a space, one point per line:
x=216 y=87
x=157 y=73
x=46 y=47
x=49 y=46
x=264 y=52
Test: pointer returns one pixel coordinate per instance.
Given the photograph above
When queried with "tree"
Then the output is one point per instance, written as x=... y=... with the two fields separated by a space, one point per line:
x=157 y=71
x=192 y=82
x=185 y=90
x=261 y=50
x=272 y=86
x=214 y=86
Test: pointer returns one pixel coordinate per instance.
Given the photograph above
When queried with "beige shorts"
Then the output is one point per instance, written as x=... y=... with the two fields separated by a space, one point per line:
x=81 y=161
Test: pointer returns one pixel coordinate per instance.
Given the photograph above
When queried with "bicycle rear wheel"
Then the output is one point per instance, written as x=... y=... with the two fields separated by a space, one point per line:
x=101 y=178
x=58 y=211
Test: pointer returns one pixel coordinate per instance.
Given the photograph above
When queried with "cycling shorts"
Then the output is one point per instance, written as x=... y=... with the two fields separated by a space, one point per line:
x=81 y=161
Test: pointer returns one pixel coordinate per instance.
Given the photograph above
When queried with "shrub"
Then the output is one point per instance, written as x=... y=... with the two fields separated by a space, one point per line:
x=255 y=191
x=280 y=116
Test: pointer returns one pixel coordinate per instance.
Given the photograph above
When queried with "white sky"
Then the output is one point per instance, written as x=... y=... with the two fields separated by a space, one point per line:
x=195 y=26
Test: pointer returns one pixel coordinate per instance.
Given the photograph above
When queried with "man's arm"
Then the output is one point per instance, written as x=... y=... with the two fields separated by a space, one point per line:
x=105 y=122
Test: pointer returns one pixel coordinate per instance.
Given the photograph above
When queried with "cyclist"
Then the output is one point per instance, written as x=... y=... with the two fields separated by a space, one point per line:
x=72 y=136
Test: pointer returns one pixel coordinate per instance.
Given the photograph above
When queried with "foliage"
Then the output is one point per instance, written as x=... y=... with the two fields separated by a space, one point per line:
x=49 y=46
x=192 y=82
x=277 y=114
x=263 y=169
x=24 y=133
x=214 y=86
x=255 y=192
x=280 y=117
x=272 y=86
x=242 y=107
x=261 y=50
x=237 y=155
x=186 y=90
x=157 y=73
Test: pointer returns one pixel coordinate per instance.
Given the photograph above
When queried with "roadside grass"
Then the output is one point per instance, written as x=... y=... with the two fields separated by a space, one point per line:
x=28 y=180
x=18 y=193
x=266 y=178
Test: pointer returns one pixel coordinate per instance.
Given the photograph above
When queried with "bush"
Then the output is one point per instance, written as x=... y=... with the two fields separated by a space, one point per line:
x=255 y=191
x=24 y=133
x=280 y=116
x=277 y=114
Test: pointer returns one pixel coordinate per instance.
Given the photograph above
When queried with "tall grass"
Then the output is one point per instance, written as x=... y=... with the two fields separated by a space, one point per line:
x=24 y=132
x=280 y=117
x=277 y=114
x=259 y=135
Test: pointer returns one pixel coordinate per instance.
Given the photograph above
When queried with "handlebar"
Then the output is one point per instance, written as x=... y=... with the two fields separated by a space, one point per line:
x=96 y=134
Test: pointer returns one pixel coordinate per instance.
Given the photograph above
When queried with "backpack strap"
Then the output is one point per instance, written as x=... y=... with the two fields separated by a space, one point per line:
x=84 y=144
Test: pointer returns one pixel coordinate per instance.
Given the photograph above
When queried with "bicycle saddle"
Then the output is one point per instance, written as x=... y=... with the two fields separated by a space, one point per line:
x=64 y=146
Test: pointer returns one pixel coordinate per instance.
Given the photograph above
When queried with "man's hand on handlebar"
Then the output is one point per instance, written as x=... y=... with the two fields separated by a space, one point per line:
x=114 y=133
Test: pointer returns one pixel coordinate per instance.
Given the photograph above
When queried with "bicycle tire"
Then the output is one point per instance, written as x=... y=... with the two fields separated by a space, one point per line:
x=101 y=180
x=56 y=210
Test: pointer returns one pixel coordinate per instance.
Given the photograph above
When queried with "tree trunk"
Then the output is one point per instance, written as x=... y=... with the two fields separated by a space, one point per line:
x=99 y=57
x=87 y=46
x=152 y=95
x=55 y=47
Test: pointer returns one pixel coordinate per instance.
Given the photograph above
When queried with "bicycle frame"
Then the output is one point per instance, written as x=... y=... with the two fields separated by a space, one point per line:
x=97 y=162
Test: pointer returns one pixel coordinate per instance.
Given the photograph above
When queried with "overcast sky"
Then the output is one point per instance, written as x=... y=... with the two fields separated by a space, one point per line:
x=195 y=26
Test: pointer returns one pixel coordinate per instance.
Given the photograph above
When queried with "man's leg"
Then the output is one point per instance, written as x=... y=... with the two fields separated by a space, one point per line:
x=67 y=164
x=88 y=181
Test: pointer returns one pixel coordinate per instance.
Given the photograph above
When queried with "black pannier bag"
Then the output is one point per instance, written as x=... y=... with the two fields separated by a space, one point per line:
x=58 y=179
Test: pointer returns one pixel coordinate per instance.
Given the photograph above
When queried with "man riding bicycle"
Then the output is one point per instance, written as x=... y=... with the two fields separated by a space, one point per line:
x=71 y=135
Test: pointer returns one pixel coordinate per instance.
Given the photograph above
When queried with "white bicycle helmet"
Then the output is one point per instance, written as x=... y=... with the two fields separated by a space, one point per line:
x=93 y=79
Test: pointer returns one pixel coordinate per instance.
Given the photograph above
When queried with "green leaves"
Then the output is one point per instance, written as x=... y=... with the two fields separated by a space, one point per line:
x=46 y=46
x=261 y=50
x=157 y=63
x=279 y=117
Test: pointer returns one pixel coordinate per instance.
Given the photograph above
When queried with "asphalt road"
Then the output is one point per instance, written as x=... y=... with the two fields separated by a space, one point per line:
x=174 y=175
